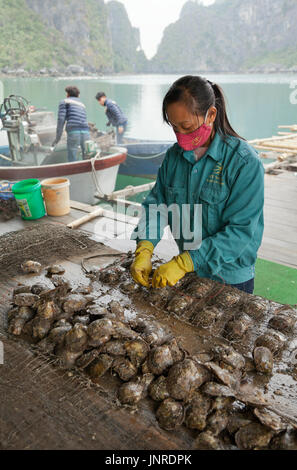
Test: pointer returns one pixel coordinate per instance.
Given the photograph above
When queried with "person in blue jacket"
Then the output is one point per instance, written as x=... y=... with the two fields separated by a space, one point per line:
x=212 y=166
x=73 y=112
x=115 y=115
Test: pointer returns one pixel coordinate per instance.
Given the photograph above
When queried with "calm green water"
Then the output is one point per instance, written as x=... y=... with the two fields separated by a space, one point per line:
x=257 y=104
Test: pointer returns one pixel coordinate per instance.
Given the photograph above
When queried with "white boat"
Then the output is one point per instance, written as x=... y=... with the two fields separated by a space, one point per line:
x=30 y=134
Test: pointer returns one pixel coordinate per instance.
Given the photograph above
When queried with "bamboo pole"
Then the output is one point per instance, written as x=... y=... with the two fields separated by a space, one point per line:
x=131 y=190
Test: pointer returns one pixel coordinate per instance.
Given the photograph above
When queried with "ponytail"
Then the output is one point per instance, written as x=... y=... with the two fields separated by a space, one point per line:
x=199 y=94
x=222 y=123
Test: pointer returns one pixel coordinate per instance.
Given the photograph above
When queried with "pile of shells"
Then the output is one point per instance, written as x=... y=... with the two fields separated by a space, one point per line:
x=205 y=392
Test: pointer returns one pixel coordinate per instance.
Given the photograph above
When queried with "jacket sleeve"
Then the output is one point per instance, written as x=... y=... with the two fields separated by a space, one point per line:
x=62 y=112
x=117 y=116
x=241 y=217
x=154 y=216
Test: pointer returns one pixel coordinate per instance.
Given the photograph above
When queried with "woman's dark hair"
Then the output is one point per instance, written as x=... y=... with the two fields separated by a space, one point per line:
x=100 y=94
x=72 y=91
x=199 y=94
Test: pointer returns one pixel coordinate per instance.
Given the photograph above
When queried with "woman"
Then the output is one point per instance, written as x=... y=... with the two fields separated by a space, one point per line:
x=210 y=165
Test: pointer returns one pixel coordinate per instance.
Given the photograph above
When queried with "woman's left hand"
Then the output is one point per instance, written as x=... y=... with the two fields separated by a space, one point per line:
x=170 y=273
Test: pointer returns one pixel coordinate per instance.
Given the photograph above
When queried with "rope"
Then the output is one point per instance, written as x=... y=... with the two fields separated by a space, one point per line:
x=146 y=158
x=94 y=175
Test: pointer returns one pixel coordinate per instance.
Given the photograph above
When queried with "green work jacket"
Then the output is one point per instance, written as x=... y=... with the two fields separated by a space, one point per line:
x=228 y=181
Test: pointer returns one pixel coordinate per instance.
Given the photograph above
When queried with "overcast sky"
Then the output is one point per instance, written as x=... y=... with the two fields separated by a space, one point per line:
x=152 y=17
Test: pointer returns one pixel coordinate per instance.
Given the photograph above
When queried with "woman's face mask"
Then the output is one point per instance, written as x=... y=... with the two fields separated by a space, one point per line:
x=194 y=139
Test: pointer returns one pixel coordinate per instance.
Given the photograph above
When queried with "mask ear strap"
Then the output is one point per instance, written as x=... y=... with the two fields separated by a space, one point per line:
x=206 y=116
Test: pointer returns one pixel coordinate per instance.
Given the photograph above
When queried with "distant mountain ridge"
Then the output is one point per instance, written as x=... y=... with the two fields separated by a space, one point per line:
x=230 y=36
x=48 y=36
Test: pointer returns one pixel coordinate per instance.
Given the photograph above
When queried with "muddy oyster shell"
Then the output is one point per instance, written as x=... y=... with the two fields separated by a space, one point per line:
x=217 y=390
x=130 y=393
x=25 y=299
x=129 y=287
x=180 y=305
x=253 y=436
x=207 y=317
x=67 y=358
x=256 y=307
x=21 y=317
x=222 y=403
x=170 y=414
x=87 y=358
x=115 y=347
x=162 y=357
x=224 y=376
x=160 y=297
x=74 y=303
x=197 y=411
x=21 y=290
x=82 y=319
x=55 y=269
x=124 y=368
x=285 y=441
x=217 y=422
x=117 y=309
x=207 y=441
x=39 y=288
x=199 y=288
x=229 y=356
x=152 y=332
x=237 y=327
x=76 y=339
x=31 y=267
x=273 y=340
x=263 y=360
x=228 y=298
x=99 y=366
x=137 y=351
x=237 y=421
x=270 y=419
x=158 y=389
x=283 y=322
x=184 y=378
x=100 y=331
x=57 y=335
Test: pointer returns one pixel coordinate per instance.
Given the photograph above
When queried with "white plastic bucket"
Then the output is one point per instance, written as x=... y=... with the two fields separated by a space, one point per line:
x=56 y=196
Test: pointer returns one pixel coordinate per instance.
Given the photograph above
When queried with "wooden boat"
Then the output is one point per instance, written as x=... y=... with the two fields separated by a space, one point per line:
x=30 y=134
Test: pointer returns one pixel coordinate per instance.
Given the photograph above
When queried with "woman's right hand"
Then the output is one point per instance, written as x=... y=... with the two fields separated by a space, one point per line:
x=142 y=264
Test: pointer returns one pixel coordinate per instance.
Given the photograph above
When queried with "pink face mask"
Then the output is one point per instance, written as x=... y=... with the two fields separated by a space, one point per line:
x=196 y=138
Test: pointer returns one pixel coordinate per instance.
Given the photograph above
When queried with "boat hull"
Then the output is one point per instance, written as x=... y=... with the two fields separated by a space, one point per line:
x=80 y=174
x=144 y=158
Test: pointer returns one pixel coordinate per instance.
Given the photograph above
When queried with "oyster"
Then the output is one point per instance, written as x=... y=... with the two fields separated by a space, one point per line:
x=197 y=411
x=21 y=290
x=87 y=358
x=82 y=319
x=100 y=331
x=217 y=422
x=199 y=288
x=129 y=287
x=160 y=297
x=170 y=414
x=217 y=390
x=228 y=298
x=137 y=351
x=263 y=360
x=237 y=328
x=25 y=299
x=124 y=368
x=180 y=305
x=253 y=436
x=100 y=366
x=31 y=267
x=21 y=317
x=256 y=307
x=207 y=441
x=273 y=340
x=74 y=303
x=162 y=357
x=207 y=317
x=67 y=358
x=222 y=403
x=55 y=269
x=237 y=421
x=117 y=309
x=153 y=332
x=229 y=356
x=158 y=389
x=285 y=441
x=184 y=378
x=111 y=276
x=130 y=393
x=57 y=335
x=283 y=322
x=76 y=339
x=115 y=347
x=224 y=376
x=270 y=419
x=39 y=288
x=120 y=330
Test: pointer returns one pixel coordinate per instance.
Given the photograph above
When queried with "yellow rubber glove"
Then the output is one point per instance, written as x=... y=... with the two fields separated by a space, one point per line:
x=142 y=265
x=170 y=273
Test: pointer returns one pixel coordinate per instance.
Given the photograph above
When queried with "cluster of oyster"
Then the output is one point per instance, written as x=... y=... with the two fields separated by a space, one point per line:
x=204 y=392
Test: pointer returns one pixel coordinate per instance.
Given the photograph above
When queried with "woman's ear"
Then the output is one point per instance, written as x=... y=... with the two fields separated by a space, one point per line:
x=212 y=114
